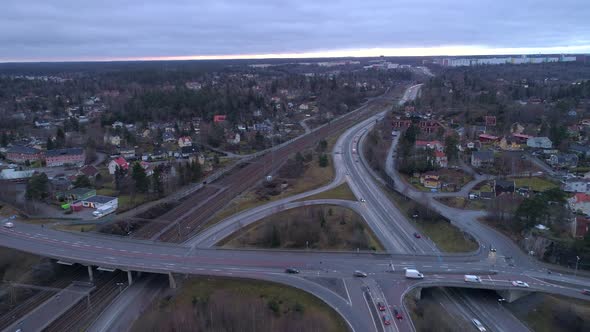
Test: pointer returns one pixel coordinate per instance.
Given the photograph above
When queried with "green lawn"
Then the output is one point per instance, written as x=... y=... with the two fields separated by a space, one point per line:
x=447 y=237
x=549 y=313
x=536 y=183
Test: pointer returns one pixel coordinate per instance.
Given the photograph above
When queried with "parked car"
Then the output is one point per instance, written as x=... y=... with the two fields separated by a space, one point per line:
x=358 y=273
x=479 y=325
x=519 y=283
x=291 y=270
x=386 y=320
x=380 y=306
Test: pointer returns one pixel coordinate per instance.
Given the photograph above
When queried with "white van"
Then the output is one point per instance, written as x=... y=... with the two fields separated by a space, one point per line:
x=414 y=274
x=472 y=278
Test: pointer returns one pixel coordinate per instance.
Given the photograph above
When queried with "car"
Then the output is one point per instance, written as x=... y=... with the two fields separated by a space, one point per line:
x=519 y=283
x=363 y=200
x=492 y=249
x=397 y=314
x=360 y=274
x=380 y=306
x=586 y=291
x=416 y=235
x=8 y=224
x=291 y=270
x=479 y=325
x=386 y=320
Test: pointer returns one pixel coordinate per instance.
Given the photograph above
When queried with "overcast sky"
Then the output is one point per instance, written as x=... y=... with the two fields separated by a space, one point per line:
x=119 y=29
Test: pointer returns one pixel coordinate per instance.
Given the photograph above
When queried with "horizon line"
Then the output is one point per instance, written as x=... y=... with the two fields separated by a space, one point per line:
x=441 y=51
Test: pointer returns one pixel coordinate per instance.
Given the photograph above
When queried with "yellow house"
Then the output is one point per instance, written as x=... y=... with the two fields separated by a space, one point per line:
x=431 y=181
x=509 y=144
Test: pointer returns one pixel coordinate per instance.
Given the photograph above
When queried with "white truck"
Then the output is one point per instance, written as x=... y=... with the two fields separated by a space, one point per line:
x=414 y=274
x=472 y=278
x=104 y=210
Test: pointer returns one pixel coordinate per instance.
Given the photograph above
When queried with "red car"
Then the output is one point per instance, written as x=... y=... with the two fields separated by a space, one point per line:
x=386 y=320
x=416 y=235
x=380 y=306
x=397 y=314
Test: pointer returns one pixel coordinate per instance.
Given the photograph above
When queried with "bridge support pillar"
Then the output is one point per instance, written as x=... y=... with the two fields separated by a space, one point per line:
x=418 y=293
x=130 y=277
x=90 y=274
x=171 y=280
x=512 y=295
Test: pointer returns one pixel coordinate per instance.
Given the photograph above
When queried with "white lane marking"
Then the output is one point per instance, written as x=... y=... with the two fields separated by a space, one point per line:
x=347 y=293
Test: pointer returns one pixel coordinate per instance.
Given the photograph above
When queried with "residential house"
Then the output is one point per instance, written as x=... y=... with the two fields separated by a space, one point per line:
x=582 y=150
x=233 y=138
x=539 y=143
x=488 y=139
x=147 y=167
x=219 y=118
x=187 y=151
x=482 y=158
x=510 y=144
x=521 y=138
x=504 y=186
x=127 y=153
x=21 y=154
x=113 y=140
x=168 y=137
x=580 y=227
x=88 y=170
x=563 y=160
x=430 y=180
x=61 y=157
x=433 y=145
x=185 y=141
x=577 y=186
x=440 y=159
x=580 y=203
x=13 y=175
x=117 y=162
x=61 y=184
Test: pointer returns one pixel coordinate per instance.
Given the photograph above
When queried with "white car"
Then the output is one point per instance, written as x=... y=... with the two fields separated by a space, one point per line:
x=360 y=274
x=519 y=283
x=479 y=325
x=8 y=224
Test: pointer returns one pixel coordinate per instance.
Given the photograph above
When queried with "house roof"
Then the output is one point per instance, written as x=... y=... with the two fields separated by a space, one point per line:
x=22 y=149
x=581 y=198
x=100 y=199
x=487 y=136
x=88 y=170
x=483 y=155
x=505 y=184
x=64 y=152
x=79 y=191
x=121 y=162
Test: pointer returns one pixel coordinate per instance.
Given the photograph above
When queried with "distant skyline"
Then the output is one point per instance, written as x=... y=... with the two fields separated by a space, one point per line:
x=108 y=30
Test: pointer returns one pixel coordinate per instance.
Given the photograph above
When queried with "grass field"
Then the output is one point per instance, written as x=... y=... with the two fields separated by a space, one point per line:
x=76 y=228
x=463 y=203
x=224 y=304
x=320 y=227
x=536 y=183
x=549 y=313
x=447 y=237
x=341 y=192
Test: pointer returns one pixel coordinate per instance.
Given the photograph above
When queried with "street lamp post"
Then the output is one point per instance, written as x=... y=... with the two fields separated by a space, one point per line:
x=577 y=261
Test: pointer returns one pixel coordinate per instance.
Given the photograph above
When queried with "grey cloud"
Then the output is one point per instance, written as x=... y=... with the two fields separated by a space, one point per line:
x=69 y=29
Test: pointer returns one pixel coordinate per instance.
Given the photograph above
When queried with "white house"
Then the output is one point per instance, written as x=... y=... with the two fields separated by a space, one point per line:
x=577 y=186
x=233 y=138
x=185 y=141
x=580 y=203
x=539 y=143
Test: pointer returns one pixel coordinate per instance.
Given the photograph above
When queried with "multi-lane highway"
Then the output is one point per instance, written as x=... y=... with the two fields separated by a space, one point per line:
x=385 y=282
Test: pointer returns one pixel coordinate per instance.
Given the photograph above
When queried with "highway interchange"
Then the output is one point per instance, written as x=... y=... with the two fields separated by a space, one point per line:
x=385 y=282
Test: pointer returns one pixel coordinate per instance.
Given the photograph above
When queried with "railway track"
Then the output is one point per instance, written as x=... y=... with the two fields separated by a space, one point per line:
x=239 y=181
x=38 y=298
x=82 y=313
